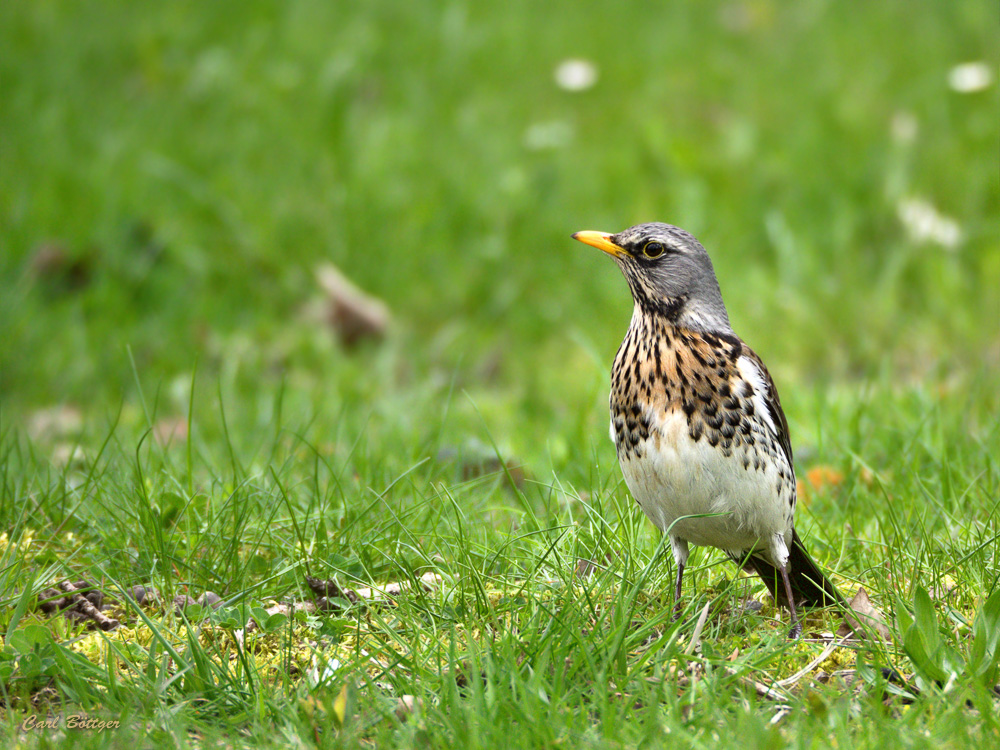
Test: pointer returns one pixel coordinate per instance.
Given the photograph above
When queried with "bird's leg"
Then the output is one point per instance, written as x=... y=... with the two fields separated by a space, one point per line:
x=677 y=591
x=680 y=550
x=796 y=630
x=779 y=555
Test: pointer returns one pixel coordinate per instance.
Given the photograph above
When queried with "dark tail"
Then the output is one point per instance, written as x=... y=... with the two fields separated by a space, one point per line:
x=809 y=586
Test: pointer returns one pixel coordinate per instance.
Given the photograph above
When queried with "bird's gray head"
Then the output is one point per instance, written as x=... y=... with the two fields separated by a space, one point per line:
x=669 y=273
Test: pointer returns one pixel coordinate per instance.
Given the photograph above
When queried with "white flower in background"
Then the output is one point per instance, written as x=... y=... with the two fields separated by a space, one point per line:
x=903 y=127
x=65 y=454
x=576 y=75
x=545 y=135
x=968 y=78
x=923 y=223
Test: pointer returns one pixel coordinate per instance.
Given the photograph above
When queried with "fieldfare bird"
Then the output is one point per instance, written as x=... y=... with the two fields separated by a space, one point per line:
x=695 y=417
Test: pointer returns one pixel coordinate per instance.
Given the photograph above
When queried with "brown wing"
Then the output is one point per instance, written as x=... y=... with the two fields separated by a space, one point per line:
x=810 y=587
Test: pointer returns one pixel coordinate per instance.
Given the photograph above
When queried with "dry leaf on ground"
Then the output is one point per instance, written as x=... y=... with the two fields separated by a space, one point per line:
x=864 y=617
x=352 y=313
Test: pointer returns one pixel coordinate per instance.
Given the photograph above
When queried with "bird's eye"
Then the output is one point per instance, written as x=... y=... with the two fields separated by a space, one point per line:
x=653 y=249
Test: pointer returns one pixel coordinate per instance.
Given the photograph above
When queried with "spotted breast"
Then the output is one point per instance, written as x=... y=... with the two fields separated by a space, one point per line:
x=696 y=435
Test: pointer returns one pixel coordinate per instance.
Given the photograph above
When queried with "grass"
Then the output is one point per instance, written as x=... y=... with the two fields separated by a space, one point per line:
x=171 y=176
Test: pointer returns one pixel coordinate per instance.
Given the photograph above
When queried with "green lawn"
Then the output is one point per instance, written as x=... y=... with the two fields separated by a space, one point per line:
x=171 y=177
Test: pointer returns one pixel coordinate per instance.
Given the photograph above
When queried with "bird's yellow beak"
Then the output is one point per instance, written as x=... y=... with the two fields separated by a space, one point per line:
x=602 y=241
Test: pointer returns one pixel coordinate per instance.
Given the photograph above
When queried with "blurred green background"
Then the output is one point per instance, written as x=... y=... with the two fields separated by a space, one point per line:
x=176 y=411
x=173 y=173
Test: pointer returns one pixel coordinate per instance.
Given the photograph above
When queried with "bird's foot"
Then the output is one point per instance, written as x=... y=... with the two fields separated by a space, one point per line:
x=795 y=631
x=678 y=610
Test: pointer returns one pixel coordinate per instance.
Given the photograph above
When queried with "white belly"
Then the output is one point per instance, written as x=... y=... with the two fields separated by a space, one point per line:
x=677 y=477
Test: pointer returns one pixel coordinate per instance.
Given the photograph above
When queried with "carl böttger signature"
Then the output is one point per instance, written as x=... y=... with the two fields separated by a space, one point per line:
x=75 y=722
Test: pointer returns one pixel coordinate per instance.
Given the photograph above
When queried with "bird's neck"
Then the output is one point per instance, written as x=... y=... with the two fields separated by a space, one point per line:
x=681 y=312
x=701 y=309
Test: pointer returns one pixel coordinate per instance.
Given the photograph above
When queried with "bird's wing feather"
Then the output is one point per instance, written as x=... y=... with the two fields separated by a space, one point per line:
x=753 y=370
